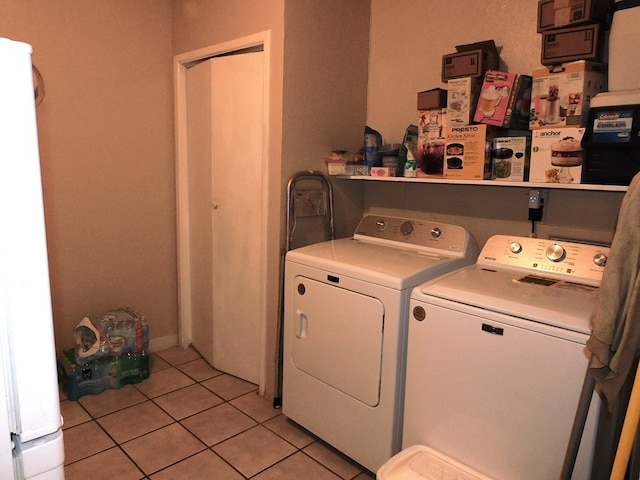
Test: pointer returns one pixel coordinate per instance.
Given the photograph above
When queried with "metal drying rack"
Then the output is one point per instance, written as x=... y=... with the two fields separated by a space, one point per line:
x=309 y=220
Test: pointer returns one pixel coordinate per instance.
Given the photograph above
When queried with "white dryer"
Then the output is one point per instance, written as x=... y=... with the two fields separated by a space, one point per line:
x=346 y=309
x=496 y=358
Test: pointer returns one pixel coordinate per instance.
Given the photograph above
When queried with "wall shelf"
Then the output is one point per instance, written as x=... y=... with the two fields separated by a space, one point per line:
x=563 y=186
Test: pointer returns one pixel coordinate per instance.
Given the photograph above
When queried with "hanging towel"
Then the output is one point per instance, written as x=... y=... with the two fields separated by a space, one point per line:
x=615 y=338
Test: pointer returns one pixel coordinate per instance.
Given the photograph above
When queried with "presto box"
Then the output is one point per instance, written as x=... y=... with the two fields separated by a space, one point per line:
x=556 y=155
x=504 y=100
x=562 y=93
x=465 y=153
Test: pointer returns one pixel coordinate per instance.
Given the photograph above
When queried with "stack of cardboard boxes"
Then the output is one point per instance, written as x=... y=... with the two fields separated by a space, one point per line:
x=485 y=110
x=506 y=126
x=572 y=74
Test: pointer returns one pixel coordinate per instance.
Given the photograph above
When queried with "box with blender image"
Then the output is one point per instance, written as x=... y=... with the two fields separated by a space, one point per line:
x=509 y=158
x=465 y=153
x=556 y=155
x=562 y=93
x=99 y=375
x=504 y=100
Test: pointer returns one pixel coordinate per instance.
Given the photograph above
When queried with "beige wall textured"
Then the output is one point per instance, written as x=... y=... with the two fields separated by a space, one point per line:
x=325 y=92
x=106 y=140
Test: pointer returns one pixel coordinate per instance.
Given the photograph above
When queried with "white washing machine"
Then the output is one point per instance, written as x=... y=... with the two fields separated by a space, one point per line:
x=346 y=309
x=496 y=358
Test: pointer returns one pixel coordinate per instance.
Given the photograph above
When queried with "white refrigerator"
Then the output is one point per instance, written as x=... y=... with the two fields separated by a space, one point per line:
x=31 y=443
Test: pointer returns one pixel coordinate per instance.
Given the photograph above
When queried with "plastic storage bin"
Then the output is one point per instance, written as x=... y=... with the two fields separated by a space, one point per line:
x=420 y=462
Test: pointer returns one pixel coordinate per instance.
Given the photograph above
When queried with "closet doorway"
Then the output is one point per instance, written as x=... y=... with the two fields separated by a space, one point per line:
x=221 y=119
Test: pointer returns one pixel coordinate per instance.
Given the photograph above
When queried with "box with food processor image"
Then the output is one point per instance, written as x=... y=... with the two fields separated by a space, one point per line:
x=556 y=155
x=509 y=158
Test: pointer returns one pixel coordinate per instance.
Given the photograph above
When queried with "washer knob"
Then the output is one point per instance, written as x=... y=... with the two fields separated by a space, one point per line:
x=555 y=253
x=436 y=232
x=600 y=259
x=381 y=225
x=515 y=247
x=407 y=228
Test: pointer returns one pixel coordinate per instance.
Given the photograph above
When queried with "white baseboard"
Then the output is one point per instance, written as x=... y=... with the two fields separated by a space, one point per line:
x=156 y=344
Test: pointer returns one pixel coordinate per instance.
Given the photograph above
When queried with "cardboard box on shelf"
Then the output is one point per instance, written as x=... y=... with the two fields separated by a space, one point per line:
x=509 y=158
x=562 y=93
x=465 y=152
x=572 y=43
x=556 y=155
x=504 y=100
x=564 y=13
x=432 y=99
x=383 y=171
x=471 y=60
x=462 y=99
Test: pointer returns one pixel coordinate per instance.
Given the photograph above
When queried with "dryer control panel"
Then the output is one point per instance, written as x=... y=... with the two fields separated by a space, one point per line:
x=421 y=235
x=570 y=261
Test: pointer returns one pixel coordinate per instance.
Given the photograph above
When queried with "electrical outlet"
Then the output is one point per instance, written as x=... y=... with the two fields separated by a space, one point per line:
x=535 y=199
x=536 y=203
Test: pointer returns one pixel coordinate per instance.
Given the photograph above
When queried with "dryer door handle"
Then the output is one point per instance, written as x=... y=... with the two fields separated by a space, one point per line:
x=302 y=324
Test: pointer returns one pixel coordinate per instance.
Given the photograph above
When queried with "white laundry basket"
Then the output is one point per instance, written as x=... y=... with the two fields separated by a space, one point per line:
x=423 y=463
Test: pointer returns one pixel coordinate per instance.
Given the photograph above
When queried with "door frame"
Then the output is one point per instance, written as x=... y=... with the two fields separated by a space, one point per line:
x=181 y=64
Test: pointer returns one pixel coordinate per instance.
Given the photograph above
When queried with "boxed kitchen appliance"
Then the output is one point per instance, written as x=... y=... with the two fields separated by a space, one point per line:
x=570 y=44
x=430 y=99
x=504 y=100
x=566 y=13
x=465 y=152
x=509 y=158
x=562 y=93
x=556 y=155
x=471 y=60
x=430 y=148
x=612 y=139
x=462 y=98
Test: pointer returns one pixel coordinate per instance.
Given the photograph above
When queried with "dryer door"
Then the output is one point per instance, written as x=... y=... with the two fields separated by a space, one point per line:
x=337 y=338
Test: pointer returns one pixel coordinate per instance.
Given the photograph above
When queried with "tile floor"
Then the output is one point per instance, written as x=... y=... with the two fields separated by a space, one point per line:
x=190 y=421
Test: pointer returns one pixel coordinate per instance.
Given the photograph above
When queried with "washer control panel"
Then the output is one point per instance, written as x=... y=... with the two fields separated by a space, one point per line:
x=572 y=261
x=421 y=235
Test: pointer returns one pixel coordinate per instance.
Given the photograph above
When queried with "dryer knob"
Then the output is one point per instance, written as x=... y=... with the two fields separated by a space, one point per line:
x=436 y=232
x=407 y=228
x=600 y=259
x=515 y=247
x=556 y=253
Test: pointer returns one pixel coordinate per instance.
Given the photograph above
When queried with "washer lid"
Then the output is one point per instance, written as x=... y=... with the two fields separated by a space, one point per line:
x=392 y=267
x=527 y=295
x=420 y=462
